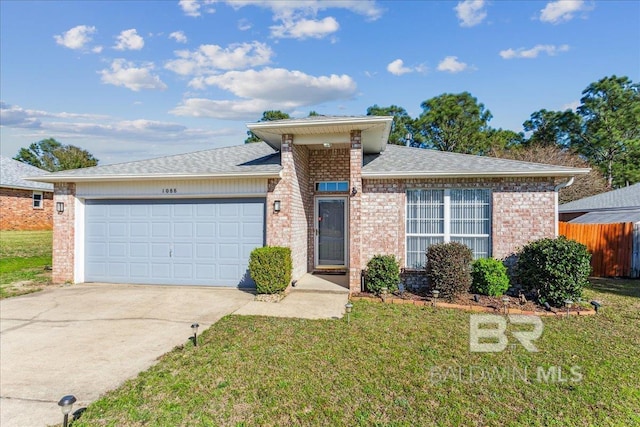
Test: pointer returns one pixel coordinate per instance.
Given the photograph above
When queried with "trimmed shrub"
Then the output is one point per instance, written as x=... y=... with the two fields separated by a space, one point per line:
x=383 y=271
x=489 y=277
x=270 y=267
x=554 y=269
x=449 y=268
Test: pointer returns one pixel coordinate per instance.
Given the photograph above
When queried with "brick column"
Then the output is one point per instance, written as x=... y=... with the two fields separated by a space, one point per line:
x=355 y=202
x=279 y=223
x=64 y=233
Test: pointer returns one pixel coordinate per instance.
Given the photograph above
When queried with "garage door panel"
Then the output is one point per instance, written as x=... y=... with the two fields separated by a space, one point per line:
x=201 y=242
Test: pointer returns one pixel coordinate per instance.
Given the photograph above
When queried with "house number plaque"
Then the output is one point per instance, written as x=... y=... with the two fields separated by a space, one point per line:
x=169 y=190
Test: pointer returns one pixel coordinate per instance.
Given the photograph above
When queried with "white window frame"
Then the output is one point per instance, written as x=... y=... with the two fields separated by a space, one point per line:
x=447 y=235
x=35 y=202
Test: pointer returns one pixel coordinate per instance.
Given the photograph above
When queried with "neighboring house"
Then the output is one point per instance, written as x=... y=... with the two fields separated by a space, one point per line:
x=622 y=205
x=330 y=188
x=614 y=253
x=24 y=205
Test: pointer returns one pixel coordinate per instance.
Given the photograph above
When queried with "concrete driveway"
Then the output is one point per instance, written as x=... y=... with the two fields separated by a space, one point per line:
x=87 y=339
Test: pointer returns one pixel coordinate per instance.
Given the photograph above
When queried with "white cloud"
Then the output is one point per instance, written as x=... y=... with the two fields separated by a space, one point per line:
x=305 y=28
x=210 y=58
x=559 y=11
x=470 y=12
x=573 y=106
x=451 y=64
x=178 y=36
x=76 y=37
x=267 y=89
x=244 y=24
x=129 y=40
x=306 y=8
x=397 y=67
x=193 y=7
x=126 y=74
x=550 y=50
x=97 y=49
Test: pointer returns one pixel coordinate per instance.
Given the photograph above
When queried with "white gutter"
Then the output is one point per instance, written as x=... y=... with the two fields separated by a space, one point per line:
x=88 y=178
x=488 y=174
x=556 y=189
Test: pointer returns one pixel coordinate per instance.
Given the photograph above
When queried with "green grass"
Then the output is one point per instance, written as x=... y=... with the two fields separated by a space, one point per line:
x=393 y=365
x=23 y=257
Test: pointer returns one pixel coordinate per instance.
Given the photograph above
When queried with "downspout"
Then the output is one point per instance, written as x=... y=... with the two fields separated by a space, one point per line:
x=556 y=189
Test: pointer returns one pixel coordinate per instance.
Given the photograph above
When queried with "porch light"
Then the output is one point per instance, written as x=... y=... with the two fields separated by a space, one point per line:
x=435 y=294
x=568 y=303
x=505 y=302
x=348 y=307
x=354 y=191
x=59 y=207
x=194 y=328
x=276 y=206
x=66 y=406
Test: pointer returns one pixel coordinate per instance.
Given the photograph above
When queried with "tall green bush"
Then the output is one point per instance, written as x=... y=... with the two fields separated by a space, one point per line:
x=449 y=268
x=270 y=267
x=383 y=271
x=489 y=277
x=555 y=269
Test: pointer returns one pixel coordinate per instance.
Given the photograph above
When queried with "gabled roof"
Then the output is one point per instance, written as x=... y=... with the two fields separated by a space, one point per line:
x=248 y=160
x=326 y=129
x=12 y=173
x=623 y=198
x=405 y=162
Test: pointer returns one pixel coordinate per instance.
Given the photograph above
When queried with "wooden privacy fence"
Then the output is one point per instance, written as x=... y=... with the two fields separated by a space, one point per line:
x=611 y=246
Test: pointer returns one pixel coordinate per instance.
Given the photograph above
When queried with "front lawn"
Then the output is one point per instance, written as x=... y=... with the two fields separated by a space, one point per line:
x=23 y=258
x=393 y=365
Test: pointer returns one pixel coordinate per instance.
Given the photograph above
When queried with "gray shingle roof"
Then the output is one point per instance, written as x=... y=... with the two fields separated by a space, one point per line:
x=608 y=217
x=627 y=197
x=397 y=160
x=12 y=172
x=249 y=160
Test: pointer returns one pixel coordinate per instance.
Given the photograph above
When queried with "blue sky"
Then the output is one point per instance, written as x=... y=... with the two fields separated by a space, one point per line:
x=130 y=80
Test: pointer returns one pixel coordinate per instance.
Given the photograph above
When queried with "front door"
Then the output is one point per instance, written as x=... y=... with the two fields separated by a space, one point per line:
x=331 y=232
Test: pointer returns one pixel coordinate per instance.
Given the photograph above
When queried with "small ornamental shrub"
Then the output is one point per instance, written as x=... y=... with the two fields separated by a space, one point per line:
x=449 y=268
x=383 y=271
x=489 y=277
x=555 y=269
x=270 y=267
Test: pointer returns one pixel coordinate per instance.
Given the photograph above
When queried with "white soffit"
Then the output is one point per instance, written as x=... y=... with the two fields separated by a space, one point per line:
x=320 y=129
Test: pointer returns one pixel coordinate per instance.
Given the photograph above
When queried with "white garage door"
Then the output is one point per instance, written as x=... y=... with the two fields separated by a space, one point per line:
x=185 y=242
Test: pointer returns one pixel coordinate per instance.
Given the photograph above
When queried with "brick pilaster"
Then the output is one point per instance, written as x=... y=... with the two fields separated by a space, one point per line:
x=355 y=207
x=64 y=233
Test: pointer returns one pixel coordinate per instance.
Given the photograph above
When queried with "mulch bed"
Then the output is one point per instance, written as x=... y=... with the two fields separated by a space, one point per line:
x=466 y=300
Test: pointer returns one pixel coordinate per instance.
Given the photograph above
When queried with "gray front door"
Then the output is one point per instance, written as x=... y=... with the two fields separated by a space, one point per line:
x=176 y=242
x=331 y=232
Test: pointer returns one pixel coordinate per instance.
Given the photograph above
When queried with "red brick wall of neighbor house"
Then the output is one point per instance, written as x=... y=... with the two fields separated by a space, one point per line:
x=17 y=212
x=522 y=210
x=64 y=234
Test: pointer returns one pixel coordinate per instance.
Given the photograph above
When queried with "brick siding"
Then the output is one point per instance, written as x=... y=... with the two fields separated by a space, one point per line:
x=17 y=211
x=64 y=234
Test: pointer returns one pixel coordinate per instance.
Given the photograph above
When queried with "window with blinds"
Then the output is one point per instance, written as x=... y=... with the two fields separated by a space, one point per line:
x=456 y=215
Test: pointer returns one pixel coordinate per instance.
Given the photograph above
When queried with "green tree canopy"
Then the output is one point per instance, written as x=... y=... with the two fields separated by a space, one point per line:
x=52 y=156
x=552 y=127
x=610 y=110
x=267 y=116
x=455 y=122
x=403 y=125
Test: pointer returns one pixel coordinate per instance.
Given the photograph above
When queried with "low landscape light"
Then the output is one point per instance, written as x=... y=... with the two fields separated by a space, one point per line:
x=476 y=298
x=66 y=406
x=348 y=307
x=505 y=303
x=596 y=305
x=194 y=328
x=568 y=303
x=435 y=294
